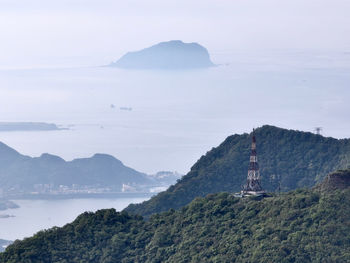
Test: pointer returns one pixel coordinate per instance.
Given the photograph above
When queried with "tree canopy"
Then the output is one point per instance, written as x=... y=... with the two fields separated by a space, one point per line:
x=293 y=159
x=299 y=226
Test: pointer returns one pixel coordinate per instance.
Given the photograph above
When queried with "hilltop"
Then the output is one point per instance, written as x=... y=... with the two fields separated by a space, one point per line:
x=173 y=54
x=46 y=174
x=6 y=204
x=299 y=159
x=298 y=226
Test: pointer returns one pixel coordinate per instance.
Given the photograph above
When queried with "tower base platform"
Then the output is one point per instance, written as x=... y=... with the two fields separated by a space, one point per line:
x=250 y=193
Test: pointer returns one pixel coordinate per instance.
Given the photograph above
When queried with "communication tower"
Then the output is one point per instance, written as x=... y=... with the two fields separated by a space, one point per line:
x=253 y=184
x=318 y=130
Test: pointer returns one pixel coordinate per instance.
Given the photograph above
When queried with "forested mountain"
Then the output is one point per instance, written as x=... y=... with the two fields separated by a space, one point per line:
x=294 y=159
x=21 y=174
x=299 y=226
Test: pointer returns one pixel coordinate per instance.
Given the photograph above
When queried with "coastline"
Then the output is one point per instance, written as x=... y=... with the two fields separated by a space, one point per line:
x=78 y=196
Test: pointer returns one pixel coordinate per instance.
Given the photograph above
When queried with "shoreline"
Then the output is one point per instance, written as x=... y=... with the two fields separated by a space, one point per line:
x=78 y=196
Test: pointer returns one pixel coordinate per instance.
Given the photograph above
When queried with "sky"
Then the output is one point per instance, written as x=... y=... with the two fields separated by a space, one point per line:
x=292 y=55
x=68 y=33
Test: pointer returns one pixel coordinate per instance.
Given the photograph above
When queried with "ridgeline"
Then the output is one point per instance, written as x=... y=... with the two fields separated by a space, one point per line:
x=20 y=174
x=299 y=226
x=293 y=159
x=168 y=55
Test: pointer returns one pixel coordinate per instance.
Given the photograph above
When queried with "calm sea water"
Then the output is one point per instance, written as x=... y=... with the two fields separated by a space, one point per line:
x=176 y=116
x=35 y=215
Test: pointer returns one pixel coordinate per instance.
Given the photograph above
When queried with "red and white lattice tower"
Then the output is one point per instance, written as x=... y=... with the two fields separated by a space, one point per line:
x=253 y=185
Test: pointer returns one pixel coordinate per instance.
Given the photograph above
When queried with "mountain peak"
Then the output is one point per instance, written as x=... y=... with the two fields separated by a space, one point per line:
x=288 y=160
x=105 y=157
x=173 y=54
x=51 y=158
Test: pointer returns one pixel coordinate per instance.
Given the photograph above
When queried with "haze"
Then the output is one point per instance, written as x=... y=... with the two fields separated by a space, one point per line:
x=36 y=33
x=283 y=63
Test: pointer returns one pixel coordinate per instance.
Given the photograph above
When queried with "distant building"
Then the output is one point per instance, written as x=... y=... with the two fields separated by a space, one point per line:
x=128 y=188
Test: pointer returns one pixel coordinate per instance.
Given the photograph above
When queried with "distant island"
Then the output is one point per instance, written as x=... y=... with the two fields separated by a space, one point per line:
x=6 y=216
x=28 y=126
x=6 y=204
x=173 y=54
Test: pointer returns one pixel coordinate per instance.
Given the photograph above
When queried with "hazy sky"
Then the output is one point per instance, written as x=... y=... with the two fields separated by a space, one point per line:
x=294 y=54
x=92 y=32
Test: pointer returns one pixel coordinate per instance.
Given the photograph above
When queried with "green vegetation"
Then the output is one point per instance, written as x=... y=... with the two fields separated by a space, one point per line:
x=304 y=225
x=298 y=226
x=300 y=159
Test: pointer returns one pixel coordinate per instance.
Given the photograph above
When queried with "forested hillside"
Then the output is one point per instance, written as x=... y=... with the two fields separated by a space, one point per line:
x=299 y=226
x=293 y=158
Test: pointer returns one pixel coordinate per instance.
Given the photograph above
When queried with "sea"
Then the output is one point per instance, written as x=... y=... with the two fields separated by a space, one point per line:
x=35 y=215
x=164 y=120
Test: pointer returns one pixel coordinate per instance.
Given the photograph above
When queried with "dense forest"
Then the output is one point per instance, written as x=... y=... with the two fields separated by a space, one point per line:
x=305 y=225
x=290 y=158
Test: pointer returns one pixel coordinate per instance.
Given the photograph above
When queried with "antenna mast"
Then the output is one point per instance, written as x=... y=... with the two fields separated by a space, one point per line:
x=253 y=185
x=318 y=130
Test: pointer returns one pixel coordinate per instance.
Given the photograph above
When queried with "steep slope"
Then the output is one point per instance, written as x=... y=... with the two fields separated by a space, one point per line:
x=9 y=156
x=337 y=180
x=21 y=174
x=299 y=159
x=299 y=226
x=173 y=54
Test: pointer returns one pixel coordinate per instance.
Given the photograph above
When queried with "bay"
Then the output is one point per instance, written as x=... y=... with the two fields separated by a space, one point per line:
x=174 y=117
x=36 y=215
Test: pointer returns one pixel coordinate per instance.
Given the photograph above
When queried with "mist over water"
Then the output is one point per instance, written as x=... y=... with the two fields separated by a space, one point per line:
x=176 y=116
